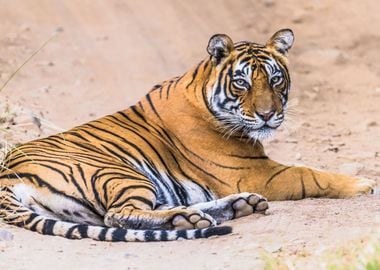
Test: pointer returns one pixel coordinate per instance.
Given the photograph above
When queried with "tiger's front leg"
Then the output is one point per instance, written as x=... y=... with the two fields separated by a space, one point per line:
x=281 y=182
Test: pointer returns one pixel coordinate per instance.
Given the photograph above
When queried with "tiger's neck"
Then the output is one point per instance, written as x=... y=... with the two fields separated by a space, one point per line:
x=180 y=106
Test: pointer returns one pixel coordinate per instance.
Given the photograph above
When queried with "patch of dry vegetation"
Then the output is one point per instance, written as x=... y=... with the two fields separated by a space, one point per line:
x=363 y=254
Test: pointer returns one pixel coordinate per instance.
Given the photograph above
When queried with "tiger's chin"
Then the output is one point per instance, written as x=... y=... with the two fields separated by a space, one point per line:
x=262 y=133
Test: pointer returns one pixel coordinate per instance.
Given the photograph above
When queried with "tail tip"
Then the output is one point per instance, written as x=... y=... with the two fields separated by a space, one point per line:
x=219 y=230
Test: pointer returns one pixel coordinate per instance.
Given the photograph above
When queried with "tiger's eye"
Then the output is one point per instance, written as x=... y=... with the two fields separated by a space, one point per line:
x=240 y=82
x=275 y=79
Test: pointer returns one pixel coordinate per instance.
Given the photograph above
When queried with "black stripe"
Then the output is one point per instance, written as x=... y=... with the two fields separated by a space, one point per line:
x=275 y=175
x=122 y=191
x=194 y=75
x=182 y=234
x=33 y=228
x=140 y=105
x=152 y=106
x=118 y=147
x=303 y=188
x=41 y=205
x=105 y=185
x=163 y=235
x=316 y=181
x=198 y=234
x=102 y=234
x=31 y=217
x=149 y=235
x=122 y=150
x=51 y=139
x=97 y=196
x=219 y=230
x=48 y=226
x=69 y=233
x=119 y=235
x=39 y=162
x=206 y=160
x=81 y=173
x=141 y=199
x=83 y=230
x=178 y=79
x=76 y=134
x=168 y=89
x=248 y=157
x=219 y=80
x=40 y=182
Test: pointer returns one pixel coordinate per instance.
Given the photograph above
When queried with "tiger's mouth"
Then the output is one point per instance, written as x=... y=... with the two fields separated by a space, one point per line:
x=264 y=126
x=238 y=125
x=261 y=133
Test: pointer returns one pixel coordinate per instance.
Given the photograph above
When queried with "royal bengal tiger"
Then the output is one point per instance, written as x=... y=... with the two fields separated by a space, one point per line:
x=182 y=160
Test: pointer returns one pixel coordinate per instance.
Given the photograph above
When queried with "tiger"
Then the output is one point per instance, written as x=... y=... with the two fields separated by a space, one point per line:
x=184 y=159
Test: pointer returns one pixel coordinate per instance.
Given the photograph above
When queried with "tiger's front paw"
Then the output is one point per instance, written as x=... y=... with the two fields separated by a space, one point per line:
x=247 y=203
x=359 y=186
x=365 y=186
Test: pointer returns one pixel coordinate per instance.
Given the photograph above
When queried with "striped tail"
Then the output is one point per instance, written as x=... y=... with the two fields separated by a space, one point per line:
x=12 y=211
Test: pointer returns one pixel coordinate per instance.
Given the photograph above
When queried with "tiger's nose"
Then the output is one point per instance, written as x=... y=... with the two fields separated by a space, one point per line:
x=265 y=115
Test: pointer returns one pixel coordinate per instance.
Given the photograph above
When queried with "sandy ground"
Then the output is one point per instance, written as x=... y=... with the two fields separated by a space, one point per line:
x=111 y=52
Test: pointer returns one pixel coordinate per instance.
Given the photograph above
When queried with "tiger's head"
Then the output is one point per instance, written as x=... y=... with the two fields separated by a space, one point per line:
x=251 y=86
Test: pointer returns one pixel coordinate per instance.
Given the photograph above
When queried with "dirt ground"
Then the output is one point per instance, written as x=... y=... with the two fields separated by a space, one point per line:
x=111 y=52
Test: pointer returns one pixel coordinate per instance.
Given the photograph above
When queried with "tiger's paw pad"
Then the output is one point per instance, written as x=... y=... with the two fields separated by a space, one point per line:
x=194 y=220
x=249 y=203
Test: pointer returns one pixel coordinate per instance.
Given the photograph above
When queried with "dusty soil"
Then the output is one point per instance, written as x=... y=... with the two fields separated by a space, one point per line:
x=111 y=52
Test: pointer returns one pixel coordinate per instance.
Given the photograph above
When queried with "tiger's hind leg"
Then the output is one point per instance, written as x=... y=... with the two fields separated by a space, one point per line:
x=133 y=206
x=233 y=206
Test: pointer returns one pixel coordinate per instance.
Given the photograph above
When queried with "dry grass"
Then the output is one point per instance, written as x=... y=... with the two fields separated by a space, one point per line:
x=363 y=254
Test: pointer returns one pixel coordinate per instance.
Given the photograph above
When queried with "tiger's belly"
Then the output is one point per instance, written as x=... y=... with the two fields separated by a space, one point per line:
x=176 y=192
x=56 y=206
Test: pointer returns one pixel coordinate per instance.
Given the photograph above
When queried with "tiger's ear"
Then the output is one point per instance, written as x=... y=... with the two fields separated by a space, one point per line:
x=281 y=41
x=219 y=47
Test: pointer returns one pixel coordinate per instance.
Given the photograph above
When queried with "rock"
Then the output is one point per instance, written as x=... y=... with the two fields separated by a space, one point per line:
x=25 y=28
x=334 y=149
x=130 y=255
x=352 y=168
x=5 y=235
x=272 y=248
x=298 y=156
x=299 y=16
x=269 y=3
x=372 y=124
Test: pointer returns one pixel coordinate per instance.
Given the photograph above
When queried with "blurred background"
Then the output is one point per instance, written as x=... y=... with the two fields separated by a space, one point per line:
x=110 y=53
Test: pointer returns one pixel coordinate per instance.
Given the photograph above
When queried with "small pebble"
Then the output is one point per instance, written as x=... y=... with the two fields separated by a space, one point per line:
x=272 y=248
x=372 y=124
x=5 y=235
